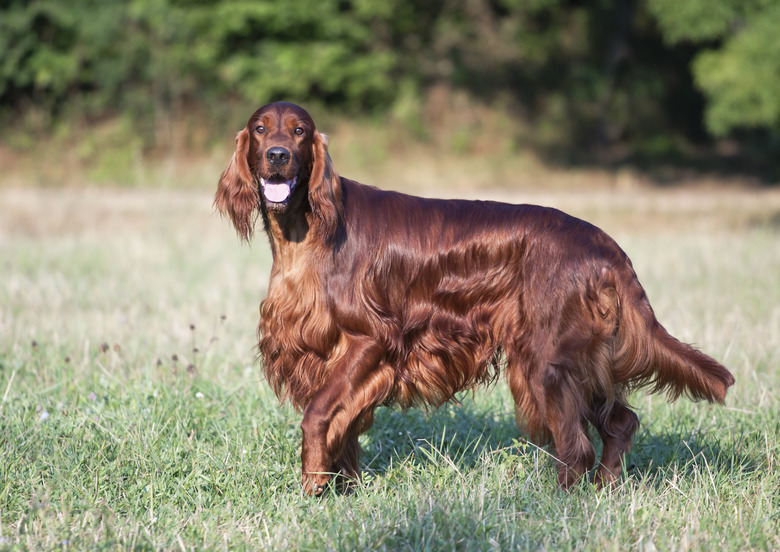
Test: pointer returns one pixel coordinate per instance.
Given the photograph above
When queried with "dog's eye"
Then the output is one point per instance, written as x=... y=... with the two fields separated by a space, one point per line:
x=260 y=129
x=298 y=131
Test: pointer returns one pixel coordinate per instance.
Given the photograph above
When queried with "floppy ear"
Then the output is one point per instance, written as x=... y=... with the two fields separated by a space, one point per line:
x=237 y=195
x=325 y=195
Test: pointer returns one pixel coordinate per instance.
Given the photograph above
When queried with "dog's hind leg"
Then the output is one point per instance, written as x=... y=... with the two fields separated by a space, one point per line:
x=616 y=425
x=548 y=408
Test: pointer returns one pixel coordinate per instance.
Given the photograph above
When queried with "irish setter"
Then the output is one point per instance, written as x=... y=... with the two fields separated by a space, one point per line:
x=379 y=297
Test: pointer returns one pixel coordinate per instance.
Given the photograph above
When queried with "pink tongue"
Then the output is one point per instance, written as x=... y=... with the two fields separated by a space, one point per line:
x=276 y=192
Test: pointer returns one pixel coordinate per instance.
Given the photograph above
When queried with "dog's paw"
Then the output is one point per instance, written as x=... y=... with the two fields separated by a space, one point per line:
x=315 y=484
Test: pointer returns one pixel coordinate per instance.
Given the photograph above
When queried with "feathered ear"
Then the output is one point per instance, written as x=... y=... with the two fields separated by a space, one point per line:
x=236 y=194
x=325 y=194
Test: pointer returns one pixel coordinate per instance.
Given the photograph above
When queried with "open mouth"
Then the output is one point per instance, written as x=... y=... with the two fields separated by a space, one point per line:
x=277 y=190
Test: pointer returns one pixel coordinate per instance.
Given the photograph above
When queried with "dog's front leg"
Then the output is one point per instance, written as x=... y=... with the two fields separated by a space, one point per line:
x=337 y=413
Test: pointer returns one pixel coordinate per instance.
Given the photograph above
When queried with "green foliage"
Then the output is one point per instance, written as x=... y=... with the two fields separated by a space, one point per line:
x=300 y=50
x=156 y=56
x=741 y=77
x=581 y=73
x=696 y=20
x=35 y=48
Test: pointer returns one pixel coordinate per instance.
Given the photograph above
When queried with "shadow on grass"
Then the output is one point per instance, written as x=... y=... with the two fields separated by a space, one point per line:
x=461 y=433
x=656 y=456
x=464 y=434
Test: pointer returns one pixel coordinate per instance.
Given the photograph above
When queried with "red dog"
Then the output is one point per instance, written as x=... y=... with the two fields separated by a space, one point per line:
x=379 y=297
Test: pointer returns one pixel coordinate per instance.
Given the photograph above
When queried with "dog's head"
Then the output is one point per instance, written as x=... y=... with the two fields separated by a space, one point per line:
x=281 y=162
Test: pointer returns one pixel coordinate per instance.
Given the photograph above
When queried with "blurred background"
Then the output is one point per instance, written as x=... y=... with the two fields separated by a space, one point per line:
x=517 y=92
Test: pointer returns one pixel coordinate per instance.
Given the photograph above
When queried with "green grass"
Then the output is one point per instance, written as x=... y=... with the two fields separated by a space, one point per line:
x=133 y=415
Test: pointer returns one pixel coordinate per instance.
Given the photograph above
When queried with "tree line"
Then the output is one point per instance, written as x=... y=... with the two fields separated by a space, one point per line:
x=654 y=74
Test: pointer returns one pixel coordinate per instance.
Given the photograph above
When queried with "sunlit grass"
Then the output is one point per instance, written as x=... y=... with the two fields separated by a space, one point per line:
x=132 y=413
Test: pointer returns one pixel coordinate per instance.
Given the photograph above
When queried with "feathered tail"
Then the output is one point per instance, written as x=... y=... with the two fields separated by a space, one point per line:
x=647 y=356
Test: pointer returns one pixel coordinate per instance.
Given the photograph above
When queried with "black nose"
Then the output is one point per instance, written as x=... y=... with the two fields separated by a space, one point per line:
x=277 y=156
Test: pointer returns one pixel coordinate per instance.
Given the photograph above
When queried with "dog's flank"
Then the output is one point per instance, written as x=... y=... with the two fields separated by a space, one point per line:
x=379 y=297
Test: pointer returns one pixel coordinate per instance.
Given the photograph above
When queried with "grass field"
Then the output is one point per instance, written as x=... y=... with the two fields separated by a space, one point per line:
x=133 y=414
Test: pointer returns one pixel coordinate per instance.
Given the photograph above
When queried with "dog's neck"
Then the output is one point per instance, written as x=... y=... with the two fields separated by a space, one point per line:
x=289 y=234
x=287 y=227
